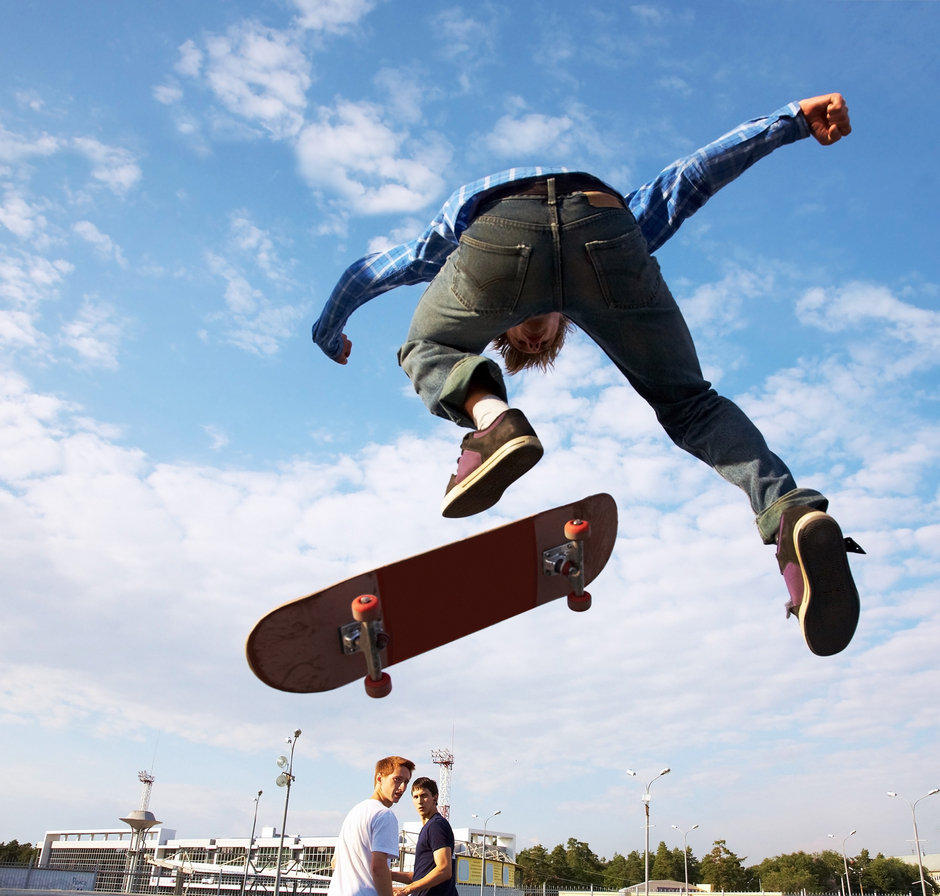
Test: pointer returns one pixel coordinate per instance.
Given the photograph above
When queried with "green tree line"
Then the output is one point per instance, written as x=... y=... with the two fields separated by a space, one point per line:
x=16 y=853
x=576 y=865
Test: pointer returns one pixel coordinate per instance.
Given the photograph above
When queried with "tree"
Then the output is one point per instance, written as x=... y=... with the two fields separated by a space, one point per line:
x=535 y=865
x=624 y=871
x=894 y=876
x=723 y=869
x=16 y=853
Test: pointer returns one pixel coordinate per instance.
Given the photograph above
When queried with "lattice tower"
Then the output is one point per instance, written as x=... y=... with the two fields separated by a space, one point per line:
x=445 y=759
x=147 y=780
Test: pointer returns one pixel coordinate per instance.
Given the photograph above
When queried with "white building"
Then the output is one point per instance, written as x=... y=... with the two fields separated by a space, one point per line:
x=168 y=864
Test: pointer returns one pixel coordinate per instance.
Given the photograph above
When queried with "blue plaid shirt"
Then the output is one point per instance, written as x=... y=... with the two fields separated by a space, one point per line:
x=659 y=207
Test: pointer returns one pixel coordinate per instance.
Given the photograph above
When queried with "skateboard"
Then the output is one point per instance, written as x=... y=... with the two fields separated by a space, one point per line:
x=379 y=618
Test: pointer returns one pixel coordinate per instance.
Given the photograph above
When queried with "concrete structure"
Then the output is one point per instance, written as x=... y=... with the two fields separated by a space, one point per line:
x=165 y=863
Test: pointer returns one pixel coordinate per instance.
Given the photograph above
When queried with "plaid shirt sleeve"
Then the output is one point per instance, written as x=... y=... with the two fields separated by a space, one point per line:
x=662 y=205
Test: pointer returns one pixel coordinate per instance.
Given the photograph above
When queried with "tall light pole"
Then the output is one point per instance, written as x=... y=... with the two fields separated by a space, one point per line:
x=251 y=842
x=920 y=858
x=685 y=853
x=285 y=779
x=845 y=864
x=483 y=866
x=646 y=800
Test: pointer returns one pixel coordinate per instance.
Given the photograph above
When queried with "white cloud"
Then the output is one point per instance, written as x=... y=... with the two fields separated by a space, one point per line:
x=20 y=217
x=529 y=134
x=218 y=436
x=190 y=61
x=103 y=244
x=94 y=335
x=351 y=152
x=716 y=308
x=560 y=137
x=16 y=148
x=461 y=37
x=257 y=243
x=167 y=94
x=113 y=166
x=859 y=304
x=331 y=15
x=26 y=281
x=252 y=322
x=261 y=74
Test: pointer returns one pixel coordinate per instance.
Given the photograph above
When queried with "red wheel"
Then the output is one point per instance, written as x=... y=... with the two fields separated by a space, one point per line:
x=577 y=530
x=366 y=608
x=579 y=604
x=380 y=688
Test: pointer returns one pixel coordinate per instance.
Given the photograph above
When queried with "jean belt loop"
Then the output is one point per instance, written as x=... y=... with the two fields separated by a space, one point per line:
x=550 y=184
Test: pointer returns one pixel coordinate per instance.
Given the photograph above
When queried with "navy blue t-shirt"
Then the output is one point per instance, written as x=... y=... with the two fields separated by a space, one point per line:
x=436 y=834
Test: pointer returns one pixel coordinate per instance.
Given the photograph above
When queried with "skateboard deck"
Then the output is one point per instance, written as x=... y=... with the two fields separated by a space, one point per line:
x=431 y=599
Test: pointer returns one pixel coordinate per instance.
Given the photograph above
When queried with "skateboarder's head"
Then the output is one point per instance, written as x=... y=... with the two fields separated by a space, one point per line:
x=392 y=775
x=424 y=795
x=535 y=342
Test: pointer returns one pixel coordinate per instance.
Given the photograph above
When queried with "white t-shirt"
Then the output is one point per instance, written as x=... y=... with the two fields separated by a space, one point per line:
x=369 y=828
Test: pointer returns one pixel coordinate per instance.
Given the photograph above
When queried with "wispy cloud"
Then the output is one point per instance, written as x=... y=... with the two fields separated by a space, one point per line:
x=95 y=334
x=112 y=166
x=103 y=244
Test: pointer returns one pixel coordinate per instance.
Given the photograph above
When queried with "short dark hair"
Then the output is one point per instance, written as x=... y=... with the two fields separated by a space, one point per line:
x=428 y=784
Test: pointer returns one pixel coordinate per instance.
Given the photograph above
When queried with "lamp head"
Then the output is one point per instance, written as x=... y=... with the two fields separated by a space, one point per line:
x=891 y=793
x=694 y=826
x=935 y=790
x=665 y=771
x=297 y=733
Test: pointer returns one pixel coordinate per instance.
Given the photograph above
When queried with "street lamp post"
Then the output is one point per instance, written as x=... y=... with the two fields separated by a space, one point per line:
x=483 y=866
x=685 y=852
x=646 y=800
x=285 y=779
x=920 y=858
x=251 y=842
x=845 y=864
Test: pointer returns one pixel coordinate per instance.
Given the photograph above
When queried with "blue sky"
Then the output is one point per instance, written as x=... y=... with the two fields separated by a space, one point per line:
x=180 y=187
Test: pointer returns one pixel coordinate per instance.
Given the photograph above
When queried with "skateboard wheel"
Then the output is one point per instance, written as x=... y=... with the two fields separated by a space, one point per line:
x=380 y=688
x=579 y=604
x=366 y=608
x=577 y=530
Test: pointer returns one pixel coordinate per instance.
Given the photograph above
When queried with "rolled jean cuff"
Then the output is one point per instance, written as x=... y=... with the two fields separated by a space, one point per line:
x=768 y=521
x=475 y=370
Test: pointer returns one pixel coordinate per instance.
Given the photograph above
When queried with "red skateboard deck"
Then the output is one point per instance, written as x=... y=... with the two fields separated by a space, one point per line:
x=433 y=598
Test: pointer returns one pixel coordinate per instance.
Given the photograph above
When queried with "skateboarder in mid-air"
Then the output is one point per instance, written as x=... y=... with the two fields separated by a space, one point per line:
x=517 y=258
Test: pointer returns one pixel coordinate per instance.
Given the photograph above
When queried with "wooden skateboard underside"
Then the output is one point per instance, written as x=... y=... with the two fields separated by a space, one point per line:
x=427 y=600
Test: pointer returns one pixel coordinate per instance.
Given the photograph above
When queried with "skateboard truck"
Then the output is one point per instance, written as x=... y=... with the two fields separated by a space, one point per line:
x=568 y=560
x=367 y=636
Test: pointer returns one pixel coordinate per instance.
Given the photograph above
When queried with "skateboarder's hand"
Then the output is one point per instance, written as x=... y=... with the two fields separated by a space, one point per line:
x=827 y=117
x=343 y=357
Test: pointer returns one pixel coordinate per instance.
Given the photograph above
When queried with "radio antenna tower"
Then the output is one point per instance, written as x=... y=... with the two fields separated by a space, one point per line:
x=147 y=780
x=445 y=759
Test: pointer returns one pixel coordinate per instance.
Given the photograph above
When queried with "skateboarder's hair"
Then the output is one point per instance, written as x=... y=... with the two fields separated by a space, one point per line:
x=428 y=784
x=516 y=360
x=390 y=764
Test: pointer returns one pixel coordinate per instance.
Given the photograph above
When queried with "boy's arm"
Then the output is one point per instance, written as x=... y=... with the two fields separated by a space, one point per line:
x=381 y=873
x=662 y=205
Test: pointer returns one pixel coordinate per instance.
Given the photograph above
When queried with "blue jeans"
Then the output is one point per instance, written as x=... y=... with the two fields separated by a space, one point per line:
x=525 y=256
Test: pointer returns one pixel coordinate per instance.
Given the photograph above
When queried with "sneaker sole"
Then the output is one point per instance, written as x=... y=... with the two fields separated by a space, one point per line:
x=485 y=486
x=830 y=607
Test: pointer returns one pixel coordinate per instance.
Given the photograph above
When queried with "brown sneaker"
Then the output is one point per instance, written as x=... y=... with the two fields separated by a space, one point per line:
x=490 y=461
x=811 y=553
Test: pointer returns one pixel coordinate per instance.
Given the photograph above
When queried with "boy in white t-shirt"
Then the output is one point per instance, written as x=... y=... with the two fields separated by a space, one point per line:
x=368 y=839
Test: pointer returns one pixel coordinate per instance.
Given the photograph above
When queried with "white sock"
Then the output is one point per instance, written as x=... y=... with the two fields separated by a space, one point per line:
x=487 y=409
